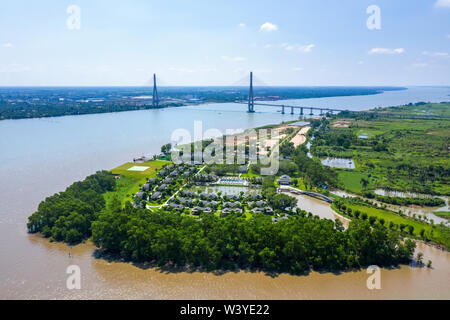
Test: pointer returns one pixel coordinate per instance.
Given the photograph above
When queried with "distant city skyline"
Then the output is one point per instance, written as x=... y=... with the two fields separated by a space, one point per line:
x=217 y=43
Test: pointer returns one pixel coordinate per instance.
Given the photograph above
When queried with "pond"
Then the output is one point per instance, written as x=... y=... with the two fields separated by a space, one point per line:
x=231 y=190
x=340 y=163
x=400 y=194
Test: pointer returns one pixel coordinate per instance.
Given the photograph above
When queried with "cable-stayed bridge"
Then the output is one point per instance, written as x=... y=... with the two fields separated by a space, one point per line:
x=292 y=109
x=251 y=103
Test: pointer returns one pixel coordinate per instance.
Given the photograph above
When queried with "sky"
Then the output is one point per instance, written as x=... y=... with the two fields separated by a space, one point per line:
x=210 y=42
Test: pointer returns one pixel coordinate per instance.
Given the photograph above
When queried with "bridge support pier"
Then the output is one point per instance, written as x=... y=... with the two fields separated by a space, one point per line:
x=292 y=110
x=282 y=110
x=311 y=113
x=301 y=111
x=321 y=112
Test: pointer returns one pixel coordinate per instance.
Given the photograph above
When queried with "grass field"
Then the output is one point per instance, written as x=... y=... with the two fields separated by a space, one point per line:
x=351 y=180
x=438 y=234
x=153 y=167
x=130 y=181
x=400 y=154
x=443 y=214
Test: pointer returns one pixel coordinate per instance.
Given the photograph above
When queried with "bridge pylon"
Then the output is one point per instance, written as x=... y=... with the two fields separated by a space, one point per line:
x=251 y=98
x=155 y=98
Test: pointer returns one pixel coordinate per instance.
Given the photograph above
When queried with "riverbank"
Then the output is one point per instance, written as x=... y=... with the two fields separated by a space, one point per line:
x=28 y=103
x=120 y=280
x=41 y=158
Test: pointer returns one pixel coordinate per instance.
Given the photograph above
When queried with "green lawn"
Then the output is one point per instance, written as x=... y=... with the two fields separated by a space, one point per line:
x=443 y=214
x=153 y=167
x=407 y=154
x=351 y=180
x=249 y=174
x=130 y=182
x=437 y=233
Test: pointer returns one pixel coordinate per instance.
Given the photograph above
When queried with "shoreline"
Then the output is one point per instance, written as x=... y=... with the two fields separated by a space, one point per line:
x=202 y=103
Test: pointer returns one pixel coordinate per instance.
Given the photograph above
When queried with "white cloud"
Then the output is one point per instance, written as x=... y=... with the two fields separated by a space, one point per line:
x=435 y=54
x=442 y=3
x=232 y=59
x=419 y=65
x=289 y=47
x=386 y=51
x=268 y=27
x=307 y=48
x=303 y=49
x=8 y=45
x=267 y=46
x=297 y=69
x=448 y=36
x=360 y=62
x=242 y=25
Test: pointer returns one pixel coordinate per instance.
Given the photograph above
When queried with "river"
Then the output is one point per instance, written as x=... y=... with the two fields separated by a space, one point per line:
x=42 y=156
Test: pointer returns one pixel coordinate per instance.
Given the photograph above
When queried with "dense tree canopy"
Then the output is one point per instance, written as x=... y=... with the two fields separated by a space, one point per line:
x=295 y=245
x=67 y=216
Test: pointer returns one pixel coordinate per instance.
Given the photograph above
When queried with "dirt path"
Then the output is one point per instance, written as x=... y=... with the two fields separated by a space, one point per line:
x=300 y=138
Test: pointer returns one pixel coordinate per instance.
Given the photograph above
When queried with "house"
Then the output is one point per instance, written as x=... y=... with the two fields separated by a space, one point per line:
x=260 y=203
x=265 y=210
x=141 y=195
x=207 y=196
x=163 y=187
x=232 y=204
x=152 y=181
x=156 y=196
x=254 y=196
x=257 y=180
x=188 y=194
x=279 y=219
x=207 y=210
x=167 y=180
x=285 y=180
x=226 y=211
x=175 y=206
x=162 y=173
x=243 y=169
x=198 y=210
x=146 y=187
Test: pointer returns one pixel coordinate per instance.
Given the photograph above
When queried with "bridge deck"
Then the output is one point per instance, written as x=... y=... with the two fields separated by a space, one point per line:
x=308 y=193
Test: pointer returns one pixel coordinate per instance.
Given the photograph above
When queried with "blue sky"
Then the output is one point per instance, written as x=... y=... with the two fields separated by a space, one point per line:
x=199 y=42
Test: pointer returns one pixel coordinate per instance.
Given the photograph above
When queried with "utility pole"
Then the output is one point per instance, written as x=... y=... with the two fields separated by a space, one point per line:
x=251 y=101
x=155 y=93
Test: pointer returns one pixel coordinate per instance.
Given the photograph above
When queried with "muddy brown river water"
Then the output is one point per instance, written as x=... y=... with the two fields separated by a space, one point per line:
x=42 y=156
